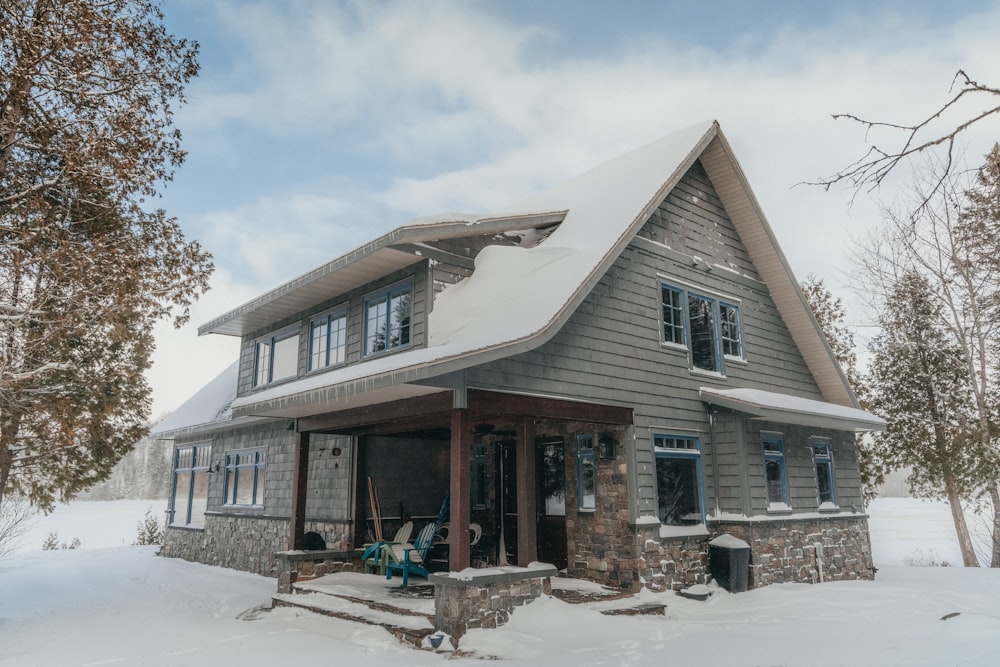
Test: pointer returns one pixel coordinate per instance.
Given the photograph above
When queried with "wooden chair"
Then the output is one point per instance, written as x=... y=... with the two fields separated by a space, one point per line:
x=408 y=558
x=373 y=557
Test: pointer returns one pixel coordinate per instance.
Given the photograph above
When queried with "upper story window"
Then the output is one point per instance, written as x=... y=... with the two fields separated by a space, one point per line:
x=328 y=340
x=276 y=358
x=825 y=482
x=680 y=489
x=774 y=471
x=387 y=320
x=708 y=326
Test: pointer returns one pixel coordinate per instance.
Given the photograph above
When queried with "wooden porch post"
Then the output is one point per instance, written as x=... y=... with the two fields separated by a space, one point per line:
x=298 y=523
x=527 y=501
x=459 y=555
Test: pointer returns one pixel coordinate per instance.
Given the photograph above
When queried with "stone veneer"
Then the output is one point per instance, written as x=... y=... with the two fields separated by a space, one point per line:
x=670 y=563
x=246 y=543
x=486 y=598
x=795 y=550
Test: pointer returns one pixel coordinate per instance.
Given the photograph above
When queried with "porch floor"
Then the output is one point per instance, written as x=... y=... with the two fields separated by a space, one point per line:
x=408 y=613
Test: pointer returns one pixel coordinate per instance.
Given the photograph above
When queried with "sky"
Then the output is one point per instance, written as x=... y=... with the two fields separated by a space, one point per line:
x=315 y=127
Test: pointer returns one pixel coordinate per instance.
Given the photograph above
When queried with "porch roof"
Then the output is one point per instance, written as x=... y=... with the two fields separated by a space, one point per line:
x=785 y=409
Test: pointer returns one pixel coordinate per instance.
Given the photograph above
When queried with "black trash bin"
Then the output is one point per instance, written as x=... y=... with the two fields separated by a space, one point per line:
x=729 y=562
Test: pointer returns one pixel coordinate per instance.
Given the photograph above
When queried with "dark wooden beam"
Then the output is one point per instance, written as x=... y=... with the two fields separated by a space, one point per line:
x=435 y=407
x=527 y=494
x=494 y=405
x=459 y=553
x=299 y=491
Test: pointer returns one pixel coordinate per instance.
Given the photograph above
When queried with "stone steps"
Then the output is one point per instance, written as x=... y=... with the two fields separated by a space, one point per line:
x=406 y=625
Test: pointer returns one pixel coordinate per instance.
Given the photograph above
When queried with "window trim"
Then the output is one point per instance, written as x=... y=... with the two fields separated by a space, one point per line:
x=766 y=437
x=719 y=303
x=326 y=320
x=816 y=444
x=198 y=465
x=232 y=465
x=692 y=453
x=385 y=295
x=585 y=452
x=271 y=341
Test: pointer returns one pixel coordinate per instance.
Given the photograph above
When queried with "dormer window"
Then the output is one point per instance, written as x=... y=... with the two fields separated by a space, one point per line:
x=387 y=320
x=276 y=358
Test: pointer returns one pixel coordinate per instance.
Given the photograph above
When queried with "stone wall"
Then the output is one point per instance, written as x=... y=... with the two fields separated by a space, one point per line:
x=246 y=543
x=600 y=543
x=670 y=563
x=486 y=599
x=796 y=550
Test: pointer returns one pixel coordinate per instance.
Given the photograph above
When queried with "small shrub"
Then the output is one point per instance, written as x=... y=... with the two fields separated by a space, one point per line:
x=930 y=558
x=149 y=530
x=52 y=543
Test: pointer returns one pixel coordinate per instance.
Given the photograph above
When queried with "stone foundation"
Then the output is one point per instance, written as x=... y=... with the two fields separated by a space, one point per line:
x=805 y=550
x=247 y=543
x=670 y=563
x=485 y=599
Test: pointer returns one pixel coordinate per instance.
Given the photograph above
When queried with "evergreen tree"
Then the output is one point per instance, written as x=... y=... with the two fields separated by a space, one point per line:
x=87 y=91
x=832 y=318
x=918 y=381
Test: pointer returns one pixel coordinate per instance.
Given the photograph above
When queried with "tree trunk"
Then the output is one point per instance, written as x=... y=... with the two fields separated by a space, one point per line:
x=995 y=541
x=961 y=527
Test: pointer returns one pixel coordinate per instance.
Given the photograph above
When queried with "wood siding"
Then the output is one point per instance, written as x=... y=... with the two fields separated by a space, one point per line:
x=610 y=350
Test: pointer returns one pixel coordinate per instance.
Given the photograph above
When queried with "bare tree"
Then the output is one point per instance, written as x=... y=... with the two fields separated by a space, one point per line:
x=910 y=140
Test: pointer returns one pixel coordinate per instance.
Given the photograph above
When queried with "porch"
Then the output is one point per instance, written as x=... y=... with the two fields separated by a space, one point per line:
x=501 y=462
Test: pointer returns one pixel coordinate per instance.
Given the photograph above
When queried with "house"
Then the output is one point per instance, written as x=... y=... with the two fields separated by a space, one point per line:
x=604 y=377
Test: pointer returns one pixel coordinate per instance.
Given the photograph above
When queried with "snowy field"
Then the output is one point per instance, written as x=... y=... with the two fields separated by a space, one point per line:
x=107 y=604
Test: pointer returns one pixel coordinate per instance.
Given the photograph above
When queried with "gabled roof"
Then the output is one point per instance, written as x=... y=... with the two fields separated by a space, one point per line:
x=518 y=297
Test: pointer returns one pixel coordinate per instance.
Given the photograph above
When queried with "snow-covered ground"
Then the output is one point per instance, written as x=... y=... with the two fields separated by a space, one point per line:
x=106 y=604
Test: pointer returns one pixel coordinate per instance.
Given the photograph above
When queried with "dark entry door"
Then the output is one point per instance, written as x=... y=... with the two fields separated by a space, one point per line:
x=551 y=461
x=506 y=466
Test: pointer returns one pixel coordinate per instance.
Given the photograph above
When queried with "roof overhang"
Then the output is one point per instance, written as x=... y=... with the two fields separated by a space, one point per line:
x=391 y=252
x=784 y=409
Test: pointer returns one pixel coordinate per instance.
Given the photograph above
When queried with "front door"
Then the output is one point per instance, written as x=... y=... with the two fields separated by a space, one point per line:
x=551 y=461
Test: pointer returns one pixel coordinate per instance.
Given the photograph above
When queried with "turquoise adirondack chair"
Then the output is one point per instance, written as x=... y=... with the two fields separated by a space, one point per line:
x=374 y=555
x=408 y=558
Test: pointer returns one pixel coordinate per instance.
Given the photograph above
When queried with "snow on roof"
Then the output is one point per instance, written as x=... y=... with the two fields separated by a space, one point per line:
x=792 y=409
x=517 y=293
x=212 y=403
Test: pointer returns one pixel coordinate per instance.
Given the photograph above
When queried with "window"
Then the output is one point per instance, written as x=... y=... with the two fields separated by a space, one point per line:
x=328 y=340
x=710 y=328
x=774 y=471
x=244 y=479
x=586 y=469
x=825 y=483
x=276 y=359
x=387 y=320
x=190 y=498
x=679 y=480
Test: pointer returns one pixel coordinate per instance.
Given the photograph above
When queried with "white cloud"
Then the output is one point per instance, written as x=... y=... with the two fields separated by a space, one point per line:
x=455 y=112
